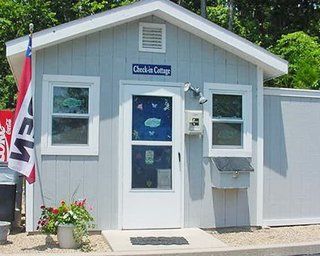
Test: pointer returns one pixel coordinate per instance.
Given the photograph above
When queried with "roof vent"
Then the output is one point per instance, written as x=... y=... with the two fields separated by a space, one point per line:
x=152 y=37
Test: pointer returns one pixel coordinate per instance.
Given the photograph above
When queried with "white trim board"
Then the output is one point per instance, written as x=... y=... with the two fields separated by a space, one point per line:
x=230 y=89
x=291 y=222
x=260 y=141
x=93 y=85
x=122 y=85
x=272 y=65
x=288 y=92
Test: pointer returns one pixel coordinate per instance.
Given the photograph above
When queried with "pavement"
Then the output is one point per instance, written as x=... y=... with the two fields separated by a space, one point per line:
x=119 y=240
x=200 y=244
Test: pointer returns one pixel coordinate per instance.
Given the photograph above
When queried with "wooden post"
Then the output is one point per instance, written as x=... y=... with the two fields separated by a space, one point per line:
x=230 y=22
x=204 y=8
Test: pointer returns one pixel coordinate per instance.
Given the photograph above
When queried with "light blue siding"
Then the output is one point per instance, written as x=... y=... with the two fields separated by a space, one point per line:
x=110 y=54
x=291 y=160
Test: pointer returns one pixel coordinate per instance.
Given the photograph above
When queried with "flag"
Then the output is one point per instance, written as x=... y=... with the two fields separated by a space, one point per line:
x=22 y=152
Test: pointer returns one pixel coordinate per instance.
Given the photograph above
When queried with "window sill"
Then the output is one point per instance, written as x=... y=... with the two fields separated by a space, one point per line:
x=229 y=153
x=70 y=151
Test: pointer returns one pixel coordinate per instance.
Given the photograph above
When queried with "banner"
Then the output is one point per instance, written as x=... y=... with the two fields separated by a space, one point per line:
x=6 y=117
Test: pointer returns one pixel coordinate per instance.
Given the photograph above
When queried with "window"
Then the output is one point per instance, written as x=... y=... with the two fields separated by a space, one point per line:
x=227 y=120
x=70 y=115
x=152 y=37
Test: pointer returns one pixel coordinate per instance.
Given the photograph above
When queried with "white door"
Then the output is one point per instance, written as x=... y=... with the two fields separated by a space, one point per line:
x=152 y=116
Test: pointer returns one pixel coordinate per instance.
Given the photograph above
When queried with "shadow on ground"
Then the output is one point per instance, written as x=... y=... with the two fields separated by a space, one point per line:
x=50 y=243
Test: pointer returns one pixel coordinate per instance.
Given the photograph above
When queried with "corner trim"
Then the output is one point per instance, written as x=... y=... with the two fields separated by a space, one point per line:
x=260 y=128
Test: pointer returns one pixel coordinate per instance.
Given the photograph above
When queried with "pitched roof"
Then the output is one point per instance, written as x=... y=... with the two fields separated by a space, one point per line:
x=272 y=65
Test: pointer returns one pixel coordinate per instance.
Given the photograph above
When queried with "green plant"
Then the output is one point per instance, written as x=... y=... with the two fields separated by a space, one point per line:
x=303 y=53
x=75 y=213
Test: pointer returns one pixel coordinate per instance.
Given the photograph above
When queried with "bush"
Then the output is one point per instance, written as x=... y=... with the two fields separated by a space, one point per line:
x=303 y=53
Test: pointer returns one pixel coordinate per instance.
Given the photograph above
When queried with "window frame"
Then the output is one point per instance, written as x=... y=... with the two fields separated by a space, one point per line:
x=90 y=82
x=245 y=150
x=152 y=25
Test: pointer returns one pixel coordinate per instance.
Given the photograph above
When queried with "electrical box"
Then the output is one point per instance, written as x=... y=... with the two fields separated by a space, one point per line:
x=193 y=122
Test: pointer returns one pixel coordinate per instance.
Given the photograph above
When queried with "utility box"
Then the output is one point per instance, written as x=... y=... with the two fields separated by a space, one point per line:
x=193 y=122
x=230 y=172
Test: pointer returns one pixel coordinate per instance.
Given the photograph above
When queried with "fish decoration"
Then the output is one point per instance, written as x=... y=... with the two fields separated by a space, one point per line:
x=152 y=122
x=71 y=103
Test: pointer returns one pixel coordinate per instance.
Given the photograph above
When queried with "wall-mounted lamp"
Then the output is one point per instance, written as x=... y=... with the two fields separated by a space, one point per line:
x=196 y=92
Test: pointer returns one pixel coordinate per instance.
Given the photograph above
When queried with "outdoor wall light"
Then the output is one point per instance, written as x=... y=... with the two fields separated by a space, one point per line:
x=196 y=92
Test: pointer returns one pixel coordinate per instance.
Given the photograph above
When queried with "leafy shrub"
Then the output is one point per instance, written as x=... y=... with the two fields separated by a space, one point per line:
x=303 y=53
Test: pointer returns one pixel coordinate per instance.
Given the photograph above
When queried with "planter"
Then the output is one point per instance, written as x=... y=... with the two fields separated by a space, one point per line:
x=4 y=231
x=65 y=237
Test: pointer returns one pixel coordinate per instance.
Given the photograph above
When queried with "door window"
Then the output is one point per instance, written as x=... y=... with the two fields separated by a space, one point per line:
x=151 y=142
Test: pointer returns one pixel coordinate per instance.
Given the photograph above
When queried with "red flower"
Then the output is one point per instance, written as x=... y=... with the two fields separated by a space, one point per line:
x=63 y=202
x=55 y=211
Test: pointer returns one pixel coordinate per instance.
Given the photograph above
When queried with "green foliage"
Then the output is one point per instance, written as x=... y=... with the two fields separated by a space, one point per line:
x=75 y=214
x=7 y=92
x=262 y=22
x=15 y=16
x=14 y=20
x=303 y=53
x=219 y=14
x=267 y=21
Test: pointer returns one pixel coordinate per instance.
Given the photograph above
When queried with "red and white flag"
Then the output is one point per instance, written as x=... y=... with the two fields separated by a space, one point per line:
x=22 y=152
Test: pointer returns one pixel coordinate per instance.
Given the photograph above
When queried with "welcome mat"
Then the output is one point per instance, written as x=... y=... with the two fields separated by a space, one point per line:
x=160 y=240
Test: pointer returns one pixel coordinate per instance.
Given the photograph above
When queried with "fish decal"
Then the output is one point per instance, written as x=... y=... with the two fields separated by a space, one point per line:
x=152 y=122
x=71 y=103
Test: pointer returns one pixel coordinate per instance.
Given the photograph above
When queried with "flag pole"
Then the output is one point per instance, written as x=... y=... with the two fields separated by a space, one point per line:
x=31 y=29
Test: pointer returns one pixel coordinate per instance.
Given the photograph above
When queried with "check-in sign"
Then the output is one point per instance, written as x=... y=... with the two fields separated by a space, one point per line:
x=151 y=69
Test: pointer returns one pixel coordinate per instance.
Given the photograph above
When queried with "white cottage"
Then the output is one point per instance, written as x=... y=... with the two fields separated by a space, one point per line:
x=153 y=114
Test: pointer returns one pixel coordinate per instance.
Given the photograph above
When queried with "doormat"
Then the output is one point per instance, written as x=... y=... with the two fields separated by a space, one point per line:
x=161 y=240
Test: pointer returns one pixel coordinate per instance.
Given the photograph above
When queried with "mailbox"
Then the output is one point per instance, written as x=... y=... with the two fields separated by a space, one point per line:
x=230 y=172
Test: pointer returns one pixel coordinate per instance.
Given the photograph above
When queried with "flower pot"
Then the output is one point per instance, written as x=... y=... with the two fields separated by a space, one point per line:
x=65 y=237
x=4 y=231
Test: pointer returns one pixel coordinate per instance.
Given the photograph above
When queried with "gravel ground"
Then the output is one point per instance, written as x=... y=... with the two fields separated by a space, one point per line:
x=39 y=243
x=277 y=235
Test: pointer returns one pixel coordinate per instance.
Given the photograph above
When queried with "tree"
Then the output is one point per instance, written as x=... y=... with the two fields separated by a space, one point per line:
x=15 y=18
x=14 y=22
x=266 y=21
x=303 y=53
x=262 y=22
